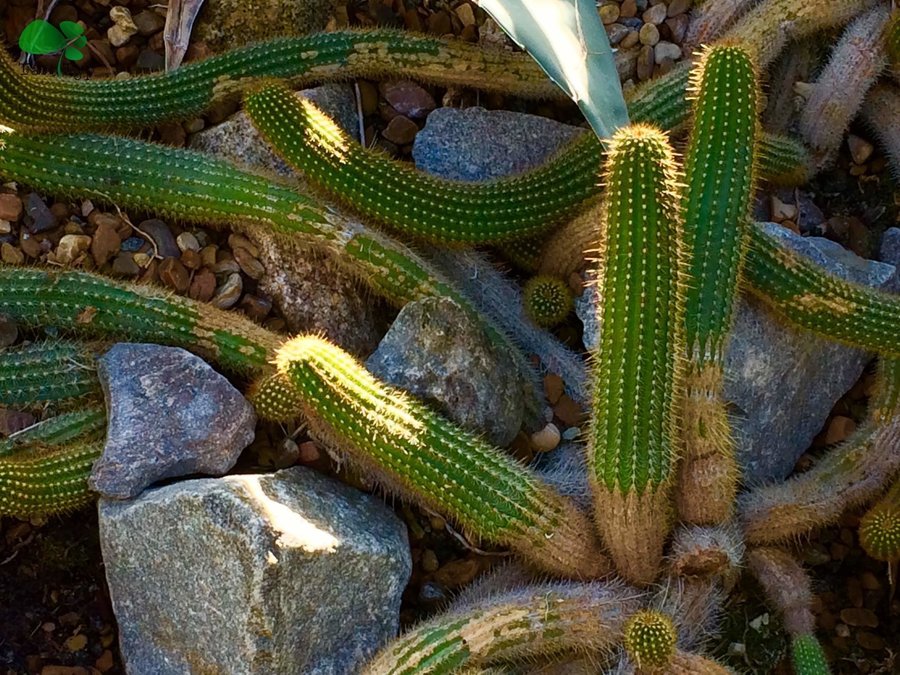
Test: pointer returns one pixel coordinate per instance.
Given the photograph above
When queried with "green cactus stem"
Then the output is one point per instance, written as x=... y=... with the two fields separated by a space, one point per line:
x=807 y=656
x=87 y=423
x=90 y=305
x=639 y=365
x=719 y=184
x=50 y=103
x=542 y=620
x=60 y=372
x=414 y=452
x=837 y=95
x=547 y=300
x=807 y=296
x=411 y=201
x=879 y=528
x=190 y=186
x=849 y=475
x=525 y=254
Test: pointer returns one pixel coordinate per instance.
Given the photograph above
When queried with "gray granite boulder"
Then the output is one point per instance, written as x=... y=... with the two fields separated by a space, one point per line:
x=781 y=382
x=475 y=144
x=889 y=252
x=290 y=573
x=170 y=415
x=436 y=352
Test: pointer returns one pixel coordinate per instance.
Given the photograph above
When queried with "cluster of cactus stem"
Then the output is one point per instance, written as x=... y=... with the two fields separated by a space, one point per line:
x=675 y=244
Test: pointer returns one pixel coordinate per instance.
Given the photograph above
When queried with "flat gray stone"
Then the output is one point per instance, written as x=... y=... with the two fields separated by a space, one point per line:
x=434 y=351
x=889 y=252
x=475 y=144
x=290 y=573
x=170 y=415
x=781 y=382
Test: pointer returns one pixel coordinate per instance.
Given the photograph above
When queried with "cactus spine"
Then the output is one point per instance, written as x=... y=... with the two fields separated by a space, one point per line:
x=547 y=300
x=638 y=367
x=61 y=372
x=849 y=475
x=879 y=529
x=415 y=452
x=540 y=620
x=856 y=62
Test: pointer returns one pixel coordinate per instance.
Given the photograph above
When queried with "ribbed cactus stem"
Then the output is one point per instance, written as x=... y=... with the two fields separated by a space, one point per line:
x=543 y=620
x=194 y=187
x=807 y=656
x=547 y=300
x=418 y=454
x=649 y=639
x=94 y=306
x=856 y=62
x=782 y=160
x=411 y=201
x=711 y=19
x=525 y=254
x=44 y=479
x=880 y=112
x=805 y=295
x=719 y=177
x=849 y=475
x=60 y=372
x=879 y=528
x=48 y=102
x=89 y=422
x=638 y=368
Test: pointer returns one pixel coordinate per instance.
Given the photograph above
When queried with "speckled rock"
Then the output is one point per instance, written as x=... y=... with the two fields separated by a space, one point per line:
x=288 y=573
x=237 y=140
x=889 y=252
x=476 y=144
x=434 y=351
x=782 y=382
x=170 y=415
x=225 y=24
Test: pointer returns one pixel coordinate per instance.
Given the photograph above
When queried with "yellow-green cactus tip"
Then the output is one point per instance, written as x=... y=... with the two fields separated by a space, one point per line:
x=879 y=532
x=650 y=639
x=547 y=300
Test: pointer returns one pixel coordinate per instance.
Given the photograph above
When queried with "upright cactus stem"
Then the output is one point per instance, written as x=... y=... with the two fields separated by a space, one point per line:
x=415 y=452
x=638 y=367
x=807 y=656
x=719 y=176
x=542 y=620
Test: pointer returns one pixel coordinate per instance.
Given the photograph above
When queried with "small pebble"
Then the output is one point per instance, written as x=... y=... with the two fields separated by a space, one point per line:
x=779 y=211
x=186 y=241
x=203 y=286
x=430 y=561
x=106 y=241
x=839 y=428
x=869 y=641
x=616 y=33
x=10 y=207
x=466 y=14
x=678 y=7
x=408 y=98
x=309 y=452
x=71 y=247
x=457 y=573
x=656 y=14
x=174 y=275
x=149 y=22
x=546 y=439
x=609 y=12
x=649 y=34
x=401 y=130
x=229 y=293
x=630 y=40
x=255 y=307
x=11 y=255
x=553 y=388
x=162 y=236
x=40 y=217
x=250 y=265
x=853 y=616
x=860 y=149
x=667 y=51
x=236 y=241
x=5 y=226
x=125 y=266
x=628 y=9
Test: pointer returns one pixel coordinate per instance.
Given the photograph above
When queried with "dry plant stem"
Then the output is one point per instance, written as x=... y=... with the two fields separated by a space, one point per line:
x=880 y=112
x=786 y=586
x=711 y=19
x=850 y=475
x=837 y=95
x=541 y=620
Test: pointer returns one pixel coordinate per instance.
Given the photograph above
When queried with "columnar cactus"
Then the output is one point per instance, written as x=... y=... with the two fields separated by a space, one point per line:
x=413 y=451
x=879 y=528
x=719 y=177
x=649 y=640
x=547 y=300
x=638 y=367
x=61 y=372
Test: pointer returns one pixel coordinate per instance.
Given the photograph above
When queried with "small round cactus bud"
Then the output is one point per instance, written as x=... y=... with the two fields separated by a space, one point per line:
x=650 y=639
x=879 y=529
x=547 y=300
x=275 y=398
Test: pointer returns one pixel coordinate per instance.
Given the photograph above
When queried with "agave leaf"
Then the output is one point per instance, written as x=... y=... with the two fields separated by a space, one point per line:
x=569 y=42
x=41 y=37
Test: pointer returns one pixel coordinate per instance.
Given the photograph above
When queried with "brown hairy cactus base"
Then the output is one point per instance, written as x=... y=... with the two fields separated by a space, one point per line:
x=684 y=663
x=702 y=552
x=708 y=472
x=786 y=585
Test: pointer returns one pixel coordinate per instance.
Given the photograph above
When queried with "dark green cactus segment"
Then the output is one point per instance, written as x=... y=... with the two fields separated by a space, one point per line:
x=411 y=201
x=55 y=103
x=879 y=528
x=661 y=101
x=419 y=454
x=808 y=296
x=87 y=423
x=42 y=479
x=650 y=639
x=807 y=656
x=719 y=174
x=547 y=300
x=637 y=369
x=91 y=305
x=42 y=372
x=782 y=160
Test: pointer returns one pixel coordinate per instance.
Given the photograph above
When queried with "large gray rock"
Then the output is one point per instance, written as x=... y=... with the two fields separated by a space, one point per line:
x=475 y=144
x=889 y=252
x=287 y=573
x=782 y=382
x=434 y=351
x=170 y=415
